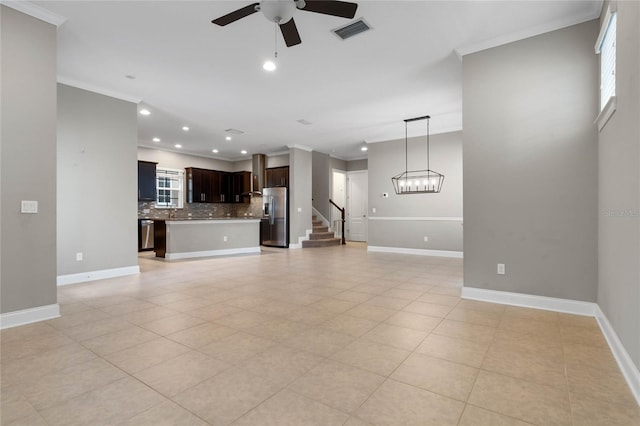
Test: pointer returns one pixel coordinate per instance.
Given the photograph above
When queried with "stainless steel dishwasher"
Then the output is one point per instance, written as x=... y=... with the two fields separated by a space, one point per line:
x=146 y=235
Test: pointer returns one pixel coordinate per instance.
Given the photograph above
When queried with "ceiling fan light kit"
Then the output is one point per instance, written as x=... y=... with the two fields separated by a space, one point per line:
x=424 y=181
x=281 y=13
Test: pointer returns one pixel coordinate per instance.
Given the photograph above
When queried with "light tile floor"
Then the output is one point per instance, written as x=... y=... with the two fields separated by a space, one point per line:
x=330 y=336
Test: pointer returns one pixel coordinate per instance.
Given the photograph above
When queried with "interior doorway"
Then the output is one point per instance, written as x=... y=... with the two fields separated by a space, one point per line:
x=357 y=205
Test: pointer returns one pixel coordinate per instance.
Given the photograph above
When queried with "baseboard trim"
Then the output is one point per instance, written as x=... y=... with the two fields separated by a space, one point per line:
x=28 y=316
x=628 y=368
x=531 y=301
x=212 y=253
x=298 y=245
x=97 y=275
x=626 y=365
x=419 y=252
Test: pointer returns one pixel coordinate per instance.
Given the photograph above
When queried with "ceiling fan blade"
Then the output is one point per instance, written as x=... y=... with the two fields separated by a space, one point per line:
x=235 y=15
x=343 y=9
x=290 y=33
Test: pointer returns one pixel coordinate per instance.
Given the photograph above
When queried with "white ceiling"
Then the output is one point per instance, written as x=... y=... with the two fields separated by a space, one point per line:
x=191 y=72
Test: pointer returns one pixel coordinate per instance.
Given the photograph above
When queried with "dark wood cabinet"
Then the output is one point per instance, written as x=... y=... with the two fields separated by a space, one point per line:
x=214 y=186
x=198 y=185
x=146 y=181
x=277 y=176
x=240 y=184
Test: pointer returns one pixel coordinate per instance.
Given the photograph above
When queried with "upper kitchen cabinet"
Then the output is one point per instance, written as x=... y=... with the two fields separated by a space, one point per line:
x=146 y=181
x=240 y=184
x=213 y=186
x=277 y=176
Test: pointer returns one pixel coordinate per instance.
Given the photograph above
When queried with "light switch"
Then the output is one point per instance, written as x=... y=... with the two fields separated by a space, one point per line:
x=28 y=206
x=373 y=210
x=299 y=209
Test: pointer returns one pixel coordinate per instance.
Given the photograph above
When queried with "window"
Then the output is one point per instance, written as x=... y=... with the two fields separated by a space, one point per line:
x=606 y=48
x=169 y=187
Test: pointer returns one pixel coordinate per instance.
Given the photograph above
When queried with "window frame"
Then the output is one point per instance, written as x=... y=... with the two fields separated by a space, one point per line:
x=163 y=173
x=607 y=100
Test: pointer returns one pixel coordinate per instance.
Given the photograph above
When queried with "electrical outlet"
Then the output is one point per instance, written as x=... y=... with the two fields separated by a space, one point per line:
x=501 y=269
x=224 y=238
x=79 y=257
x=426 y=239
x=373 y=210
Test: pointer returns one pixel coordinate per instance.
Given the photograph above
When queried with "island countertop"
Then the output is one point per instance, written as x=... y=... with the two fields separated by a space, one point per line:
x=183 y=238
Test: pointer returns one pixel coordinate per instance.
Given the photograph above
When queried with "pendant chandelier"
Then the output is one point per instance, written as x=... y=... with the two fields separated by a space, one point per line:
x=417 y=181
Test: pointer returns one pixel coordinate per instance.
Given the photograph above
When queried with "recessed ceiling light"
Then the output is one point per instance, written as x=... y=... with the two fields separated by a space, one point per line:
x=215 y=151
x=364 y=148
x=228 y=138
x=269 y=66
x=185 y=128
x=178 y=145
x=156 y=139
x=244 y=151
x=145 y=112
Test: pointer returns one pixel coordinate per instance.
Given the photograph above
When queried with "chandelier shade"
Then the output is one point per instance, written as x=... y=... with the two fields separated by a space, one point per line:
x=424 y=181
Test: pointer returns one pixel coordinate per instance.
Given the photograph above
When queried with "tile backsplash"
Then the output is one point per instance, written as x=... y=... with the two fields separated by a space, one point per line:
x=148 y=210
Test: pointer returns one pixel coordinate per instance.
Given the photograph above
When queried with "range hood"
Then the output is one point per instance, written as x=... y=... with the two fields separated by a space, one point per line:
x=258 y=164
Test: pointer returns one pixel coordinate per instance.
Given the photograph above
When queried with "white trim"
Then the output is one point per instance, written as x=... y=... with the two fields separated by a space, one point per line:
x=211 y=253
x=419 y=252
x=627 y=367
x=530 y=301
x=589 y=15
x=298 y=245
x=97 y=275
x=625 y=363
x=302 y=147
x=611 y=9
x=425 y=218
x=606 y=113
x=212 y=221
x=99 y=90
x=36 y=11
x=28 y=316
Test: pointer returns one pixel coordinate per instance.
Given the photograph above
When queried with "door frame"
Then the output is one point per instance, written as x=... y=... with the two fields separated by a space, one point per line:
x=366 y=197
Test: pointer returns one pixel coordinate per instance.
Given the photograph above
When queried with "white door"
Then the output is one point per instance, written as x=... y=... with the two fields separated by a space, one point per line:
x=339 y=196
x=357 y=205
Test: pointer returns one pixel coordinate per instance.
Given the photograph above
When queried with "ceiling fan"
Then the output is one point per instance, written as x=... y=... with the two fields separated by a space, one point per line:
x=281 y=12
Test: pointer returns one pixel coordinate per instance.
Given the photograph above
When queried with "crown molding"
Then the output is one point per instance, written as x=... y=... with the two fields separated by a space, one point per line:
x=84 y=86
x=35 y=11
x=302 y=147
x=592 y=13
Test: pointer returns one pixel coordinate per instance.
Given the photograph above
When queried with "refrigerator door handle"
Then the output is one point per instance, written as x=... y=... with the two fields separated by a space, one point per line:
x=272 y=218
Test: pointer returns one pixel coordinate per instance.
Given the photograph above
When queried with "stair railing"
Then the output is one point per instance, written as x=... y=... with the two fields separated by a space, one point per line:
x=342 y=217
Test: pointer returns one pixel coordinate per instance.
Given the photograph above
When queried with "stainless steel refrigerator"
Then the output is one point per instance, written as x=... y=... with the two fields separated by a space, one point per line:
x=275 y=217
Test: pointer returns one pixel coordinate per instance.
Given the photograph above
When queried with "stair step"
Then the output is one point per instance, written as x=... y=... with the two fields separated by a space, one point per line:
x=316 y=222
x=322 y=235
x=317 y=229
x=321 y=243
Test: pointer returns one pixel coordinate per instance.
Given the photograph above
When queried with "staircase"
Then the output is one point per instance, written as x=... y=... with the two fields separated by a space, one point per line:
x=321 y=236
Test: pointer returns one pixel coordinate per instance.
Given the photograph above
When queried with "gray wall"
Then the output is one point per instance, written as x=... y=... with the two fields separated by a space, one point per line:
x=300 y=164
x=27 y=161
x=388 y=226
x=174 y=160
x=356 y=165
x=530 y=165
x=619 y=191
x=321 y=183
x=339 y=164
x=278 y=160
x=97 y=176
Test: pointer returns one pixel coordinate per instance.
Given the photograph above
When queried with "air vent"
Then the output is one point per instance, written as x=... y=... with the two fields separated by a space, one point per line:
x=352 y=29
x=303 y=121
x=234 y=131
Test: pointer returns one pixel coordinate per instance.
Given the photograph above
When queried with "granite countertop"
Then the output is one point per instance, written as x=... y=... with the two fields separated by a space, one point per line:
x=180 y=219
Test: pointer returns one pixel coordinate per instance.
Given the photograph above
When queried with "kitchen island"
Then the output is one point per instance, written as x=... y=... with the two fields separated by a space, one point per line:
x=191 y=238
